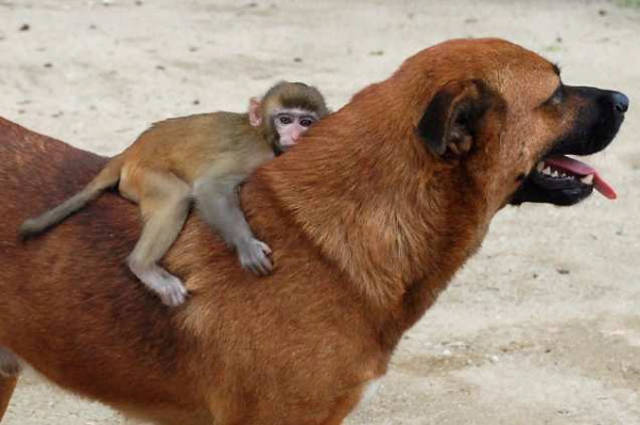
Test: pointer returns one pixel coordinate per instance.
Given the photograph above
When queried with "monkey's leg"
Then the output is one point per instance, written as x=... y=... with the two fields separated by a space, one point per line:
x=9 y=371
x=217 y=201
x=165 y=205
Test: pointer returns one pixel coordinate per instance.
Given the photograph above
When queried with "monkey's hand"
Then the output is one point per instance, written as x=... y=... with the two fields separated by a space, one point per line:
x=253 y=255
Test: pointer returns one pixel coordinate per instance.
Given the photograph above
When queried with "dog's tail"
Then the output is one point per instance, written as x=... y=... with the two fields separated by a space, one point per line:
x=106 y=178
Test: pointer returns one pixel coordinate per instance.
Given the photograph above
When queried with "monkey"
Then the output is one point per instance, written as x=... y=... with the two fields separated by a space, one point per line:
x=197 y=160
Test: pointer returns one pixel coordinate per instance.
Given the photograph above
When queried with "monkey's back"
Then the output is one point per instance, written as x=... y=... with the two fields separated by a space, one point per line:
x=188 y=146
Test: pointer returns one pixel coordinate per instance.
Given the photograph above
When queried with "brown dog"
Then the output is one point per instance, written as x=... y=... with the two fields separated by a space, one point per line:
x=368 y=219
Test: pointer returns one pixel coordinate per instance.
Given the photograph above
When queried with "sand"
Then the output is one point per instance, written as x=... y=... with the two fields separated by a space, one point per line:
x=541 y=327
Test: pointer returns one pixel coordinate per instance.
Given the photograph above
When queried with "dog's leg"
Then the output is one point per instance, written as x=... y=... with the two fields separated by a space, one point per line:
x=9 y=371
x=9 y=364
x=344 y=405
x=7 y=385
x=338 y=409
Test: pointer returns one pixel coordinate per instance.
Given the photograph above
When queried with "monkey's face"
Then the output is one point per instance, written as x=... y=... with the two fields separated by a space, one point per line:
x=290 y=124
x=286 y=112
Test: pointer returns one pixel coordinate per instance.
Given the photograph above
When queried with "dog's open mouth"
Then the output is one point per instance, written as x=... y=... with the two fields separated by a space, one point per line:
x=565 y=173
x=561 y=180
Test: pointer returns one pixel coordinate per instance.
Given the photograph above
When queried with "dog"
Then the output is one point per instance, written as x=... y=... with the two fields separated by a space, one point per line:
x=369 y=217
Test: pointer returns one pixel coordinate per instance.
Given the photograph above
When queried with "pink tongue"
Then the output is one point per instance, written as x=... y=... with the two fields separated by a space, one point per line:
x=581 y=169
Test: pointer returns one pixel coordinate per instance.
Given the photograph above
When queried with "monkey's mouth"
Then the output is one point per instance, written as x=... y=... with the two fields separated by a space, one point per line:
x=279 y=149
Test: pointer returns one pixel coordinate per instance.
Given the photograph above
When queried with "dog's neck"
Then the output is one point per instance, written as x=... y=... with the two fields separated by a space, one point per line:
x=381 y=210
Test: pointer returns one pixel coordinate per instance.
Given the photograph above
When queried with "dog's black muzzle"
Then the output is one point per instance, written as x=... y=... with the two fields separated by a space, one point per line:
x=598 y=118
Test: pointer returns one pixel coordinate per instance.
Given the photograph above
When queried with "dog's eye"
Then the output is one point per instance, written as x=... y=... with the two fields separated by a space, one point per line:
x=557 y=97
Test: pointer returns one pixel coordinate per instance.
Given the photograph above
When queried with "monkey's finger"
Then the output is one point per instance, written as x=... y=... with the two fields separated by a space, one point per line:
x=172 y=300
x=260 y=268
x=251 y=264
x=172 y=292
x=266 y=265
x=179 y=297
x=254 y=257
x=264 y=247
x=261 y=264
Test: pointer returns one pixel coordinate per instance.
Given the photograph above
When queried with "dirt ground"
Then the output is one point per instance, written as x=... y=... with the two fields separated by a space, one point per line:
x=541 y=327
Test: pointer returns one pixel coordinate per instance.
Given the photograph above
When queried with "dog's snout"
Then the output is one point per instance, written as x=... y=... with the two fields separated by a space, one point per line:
x=620 y=102
x=616 y=101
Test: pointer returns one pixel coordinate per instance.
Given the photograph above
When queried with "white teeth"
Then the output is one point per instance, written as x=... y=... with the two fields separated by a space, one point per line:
x=540 y=166
x=563 y=175
x=587 y=179
x=547 y=171
x=554 y=174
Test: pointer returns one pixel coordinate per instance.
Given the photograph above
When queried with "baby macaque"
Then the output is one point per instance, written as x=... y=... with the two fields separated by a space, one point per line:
x=201 y=159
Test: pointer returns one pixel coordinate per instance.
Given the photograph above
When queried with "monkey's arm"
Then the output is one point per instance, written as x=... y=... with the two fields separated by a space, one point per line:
x=217 y=201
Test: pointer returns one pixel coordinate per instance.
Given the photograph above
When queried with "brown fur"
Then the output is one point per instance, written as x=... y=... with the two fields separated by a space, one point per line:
x=7 y=385
x=199 y=159
x=366 y=225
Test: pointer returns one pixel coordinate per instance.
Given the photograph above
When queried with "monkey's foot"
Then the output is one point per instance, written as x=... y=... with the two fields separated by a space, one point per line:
x=9 y=364
x=253 y=256
x=168 y=287
x=171 y=290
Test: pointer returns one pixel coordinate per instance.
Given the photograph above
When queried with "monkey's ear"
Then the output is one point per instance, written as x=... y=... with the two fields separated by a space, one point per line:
x=255 y=113
x=450 y=122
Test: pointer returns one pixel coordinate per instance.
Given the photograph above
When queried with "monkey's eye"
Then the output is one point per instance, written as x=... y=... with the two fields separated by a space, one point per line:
x=285 y=119
x=306 y=122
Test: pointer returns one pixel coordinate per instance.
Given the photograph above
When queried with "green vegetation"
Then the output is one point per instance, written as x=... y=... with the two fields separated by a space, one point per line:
x=629 y=3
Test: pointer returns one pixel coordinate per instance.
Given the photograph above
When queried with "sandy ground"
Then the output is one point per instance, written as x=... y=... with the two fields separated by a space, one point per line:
x=541 y=327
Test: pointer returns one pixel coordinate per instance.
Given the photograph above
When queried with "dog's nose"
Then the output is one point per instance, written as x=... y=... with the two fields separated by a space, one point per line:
x=620 y=102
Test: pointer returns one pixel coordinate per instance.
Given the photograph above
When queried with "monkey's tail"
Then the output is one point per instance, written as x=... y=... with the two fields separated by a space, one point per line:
x=106 y=178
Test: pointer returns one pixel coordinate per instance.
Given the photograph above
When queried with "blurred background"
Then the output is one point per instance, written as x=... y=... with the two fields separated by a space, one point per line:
x=543 y=324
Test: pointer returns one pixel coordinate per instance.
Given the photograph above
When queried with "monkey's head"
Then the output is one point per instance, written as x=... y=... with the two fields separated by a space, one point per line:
x=285 y=112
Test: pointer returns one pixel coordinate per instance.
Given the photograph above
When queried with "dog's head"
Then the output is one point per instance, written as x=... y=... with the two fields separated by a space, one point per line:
x=417 y=165
x=503 y=116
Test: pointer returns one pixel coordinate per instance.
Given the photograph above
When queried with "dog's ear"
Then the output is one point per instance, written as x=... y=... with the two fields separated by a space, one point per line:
x=450 y=122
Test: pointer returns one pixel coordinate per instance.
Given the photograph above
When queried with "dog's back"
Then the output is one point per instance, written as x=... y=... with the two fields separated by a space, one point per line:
x=31 y=164
x=70 y=307
x=36 y=303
